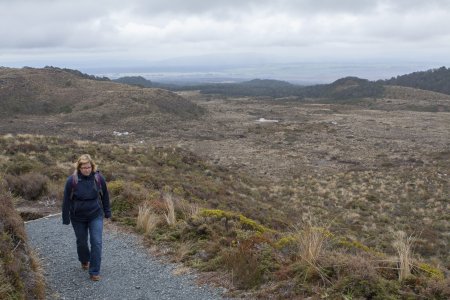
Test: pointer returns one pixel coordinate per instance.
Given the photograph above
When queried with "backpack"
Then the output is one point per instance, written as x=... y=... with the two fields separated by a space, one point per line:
x=98 y=184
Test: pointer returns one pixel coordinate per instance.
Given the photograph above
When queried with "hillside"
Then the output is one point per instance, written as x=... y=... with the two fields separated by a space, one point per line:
x=135 y=80
x=437 y=80
x=407 y=98
x=345 y=88
x=142 y=82
x=70 y=97
x=221 y=221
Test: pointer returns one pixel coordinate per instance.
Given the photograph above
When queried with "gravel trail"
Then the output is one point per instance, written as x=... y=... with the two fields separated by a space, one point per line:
x=128 y=271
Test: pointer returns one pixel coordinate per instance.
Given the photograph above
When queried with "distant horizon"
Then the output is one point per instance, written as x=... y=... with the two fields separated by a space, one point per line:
x=296 y=73
x=206 y=70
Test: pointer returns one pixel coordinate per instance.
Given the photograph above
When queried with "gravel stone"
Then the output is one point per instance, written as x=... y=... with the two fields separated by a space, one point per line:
x=128 y=271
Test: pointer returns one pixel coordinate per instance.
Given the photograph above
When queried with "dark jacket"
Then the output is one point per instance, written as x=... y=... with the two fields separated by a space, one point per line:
x=85 y=204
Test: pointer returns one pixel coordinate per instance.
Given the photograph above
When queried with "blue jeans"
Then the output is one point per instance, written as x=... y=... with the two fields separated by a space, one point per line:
x=94 y=256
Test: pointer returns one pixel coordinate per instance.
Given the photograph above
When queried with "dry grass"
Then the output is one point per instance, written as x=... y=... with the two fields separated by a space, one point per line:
x=403 y=244
x=20 y=275
x=38 y=289
x=312 y=241
x=183 y=250
x=189 y=210
x=29 y=186
x=6 y=289
x=170 y=209
x=147 y=220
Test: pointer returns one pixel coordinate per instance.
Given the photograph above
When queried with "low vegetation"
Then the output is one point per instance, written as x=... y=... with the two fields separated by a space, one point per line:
x=266 y=239
x=20 y=273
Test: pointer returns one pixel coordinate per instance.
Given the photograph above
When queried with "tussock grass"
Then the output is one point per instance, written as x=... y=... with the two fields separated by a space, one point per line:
x=169 y=214
x=189 y=210
x=403 y=244
x=312 y=242
x=183 y=251
x=147 y=220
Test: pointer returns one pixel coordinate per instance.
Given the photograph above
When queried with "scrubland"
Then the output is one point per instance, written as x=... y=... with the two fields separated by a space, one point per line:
x=330 y=199
x=338 y=236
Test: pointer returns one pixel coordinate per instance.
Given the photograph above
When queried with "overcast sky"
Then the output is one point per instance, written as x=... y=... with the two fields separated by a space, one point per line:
x=117 y=32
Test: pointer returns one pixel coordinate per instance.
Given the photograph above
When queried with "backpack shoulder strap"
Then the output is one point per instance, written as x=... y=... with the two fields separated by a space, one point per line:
x=98 y=181
x=74 y=183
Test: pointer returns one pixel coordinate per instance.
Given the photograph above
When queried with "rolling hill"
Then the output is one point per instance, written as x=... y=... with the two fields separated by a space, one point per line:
x=51 y=90
x=69 y=103
x=436 y=80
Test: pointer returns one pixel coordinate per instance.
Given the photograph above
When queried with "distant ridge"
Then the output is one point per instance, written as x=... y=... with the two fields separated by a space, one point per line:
x=135 y=80
x=77 y=73
x=344 y=88
x=347 y=88
x=436 y=80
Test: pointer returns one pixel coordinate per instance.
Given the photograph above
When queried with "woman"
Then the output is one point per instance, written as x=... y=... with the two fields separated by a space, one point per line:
x=86 y=202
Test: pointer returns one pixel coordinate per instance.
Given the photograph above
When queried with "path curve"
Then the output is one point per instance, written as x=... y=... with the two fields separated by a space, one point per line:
x=128 y=271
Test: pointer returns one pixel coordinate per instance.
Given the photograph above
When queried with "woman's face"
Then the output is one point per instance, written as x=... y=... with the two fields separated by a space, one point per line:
x=86 y=169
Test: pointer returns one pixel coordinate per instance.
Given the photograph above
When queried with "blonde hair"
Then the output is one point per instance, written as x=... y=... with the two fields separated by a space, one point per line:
x=85 y=159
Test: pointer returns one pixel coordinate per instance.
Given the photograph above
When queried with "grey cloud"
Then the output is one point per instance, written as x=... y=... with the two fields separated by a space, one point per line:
x=227 y=8
x=152 y=26
x=239 y=6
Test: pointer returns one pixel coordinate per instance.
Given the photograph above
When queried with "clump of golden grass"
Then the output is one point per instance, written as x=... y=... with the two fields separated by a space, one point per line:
x=183 y=251
x=403 y=244
x=147 y=220
x=312 y=242
x=189 y=210
x=311 y=246
x=170 y=209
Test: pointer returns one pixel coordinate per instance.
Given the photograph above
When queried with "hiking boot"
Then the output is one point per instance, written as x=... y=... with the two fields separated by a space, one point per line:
x=85 y=266
x=95 y=277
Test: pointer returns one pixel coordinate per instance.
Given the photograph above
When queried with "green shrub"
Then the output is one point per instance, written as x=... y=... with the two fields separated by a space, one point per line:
x=368 y=288
x=20 y=164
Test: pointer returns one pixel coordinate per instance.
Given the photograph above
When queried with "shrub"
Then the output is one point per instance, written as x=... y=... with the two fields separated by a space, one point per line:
x=431 y=271
x=19 y=271
x=30 y=186
x=367 y=288
x=20 y=164
x=115 y=187
x=244 y=266
x=227 y=215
